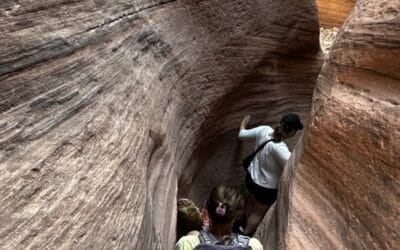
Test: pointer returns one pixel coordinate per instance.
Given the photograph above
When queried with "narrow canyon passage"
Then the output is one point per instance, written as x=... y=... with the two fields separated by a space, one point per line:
x=311 y=223
x=111 y=110
x=217 y=158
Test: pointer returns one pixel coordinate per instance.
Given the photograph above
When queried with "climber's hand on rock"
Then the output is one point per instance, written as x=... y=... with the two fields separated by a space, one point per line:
x=245 y=121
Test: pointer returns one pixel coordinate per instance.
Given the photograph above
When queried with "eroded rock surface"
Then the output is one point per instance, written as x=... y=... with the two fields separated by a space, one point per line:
x=107 y=107
x=326 y=38
x=333 y=13
x=103 y=104
x=341 y=190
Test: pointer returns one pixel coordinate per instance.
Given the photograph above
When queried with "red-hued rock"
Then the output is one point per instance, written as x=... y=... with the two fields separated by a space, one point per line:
x=341 y=189
x=333 y=13
x=110 y=110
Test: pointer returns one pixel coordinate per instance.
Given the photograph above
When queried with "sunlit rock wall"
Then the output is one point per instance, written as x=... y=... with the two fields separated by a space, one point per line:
x=333 y=13
x=102 y=104
x=341 y=189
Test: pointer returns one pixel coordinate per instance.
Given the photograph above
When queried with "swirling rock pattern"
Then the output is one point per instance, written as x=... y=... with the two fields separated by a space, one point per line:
x=110 y=109
x=103 y=104
x=341 y=190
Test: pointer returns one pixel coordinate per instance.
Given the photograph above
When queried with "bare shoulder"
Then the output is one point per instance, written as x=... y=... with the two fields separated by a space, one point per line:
x=255 y=244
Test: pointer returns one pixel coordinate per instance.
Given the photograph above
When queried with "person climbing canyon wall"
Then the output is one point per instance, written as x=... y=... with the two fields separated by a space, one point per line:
x=103 y=104
x=110 y=110
x=265 y=165
x=341 y=189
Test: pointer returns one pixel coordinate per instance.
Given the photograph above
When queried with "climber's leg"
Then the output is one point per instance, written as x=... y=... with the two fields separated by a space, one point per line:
x=255 y=217
x=256 y=207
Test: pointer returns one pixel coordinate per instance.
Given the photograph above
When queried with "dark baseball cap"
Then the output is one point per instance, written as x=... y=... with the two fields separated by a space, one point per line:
x=291 y=122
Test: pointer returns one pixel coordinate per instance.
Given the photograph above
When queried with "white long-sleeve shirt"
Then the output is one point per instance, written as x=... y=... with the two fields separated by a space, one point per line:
x=267 y=166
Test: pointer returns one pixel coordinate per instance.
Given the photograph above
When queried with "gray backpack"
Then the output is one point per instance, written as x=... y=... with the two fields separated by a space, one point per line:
x=229 y=242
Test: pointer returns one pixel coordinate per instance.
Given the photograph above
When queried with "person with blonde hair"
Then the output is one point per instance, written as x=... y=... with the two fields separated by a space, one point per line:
x=224 y=206
x=189 y=218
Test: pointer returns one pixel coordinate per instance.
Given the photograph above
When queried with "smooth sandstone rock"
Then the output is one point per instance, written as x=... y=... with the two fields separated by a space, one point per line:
x=341 y=188
x=105 y=104
x=109 y=110
x=333 y=13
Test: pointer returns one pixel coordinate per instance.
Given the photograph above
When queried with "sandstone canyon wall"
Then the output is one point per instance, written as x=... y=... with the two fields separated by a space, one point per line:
x=103 y=104
x=341 y=189
x=333 y=13
x=109 y=110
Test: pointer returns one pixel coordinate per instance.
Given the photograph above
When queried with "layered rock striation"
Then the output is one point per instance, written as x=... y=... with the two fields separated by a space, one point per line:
x=104 y=104
x=333 y=13
x=341 y=187
x=110 y=110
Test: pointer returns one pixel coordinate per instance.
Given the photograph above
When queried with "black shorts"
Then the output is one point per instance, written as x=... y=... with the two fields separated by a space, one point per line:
x=265 y=196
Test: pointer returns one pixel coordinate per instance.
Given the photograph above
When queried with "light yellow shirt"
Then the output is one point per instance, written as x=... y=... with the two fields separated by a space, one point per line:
x=189 y=242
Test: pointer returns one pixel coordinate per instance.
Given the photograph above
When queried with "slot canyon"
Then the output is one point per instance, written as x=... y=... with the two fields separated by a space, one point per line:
x=112 y=110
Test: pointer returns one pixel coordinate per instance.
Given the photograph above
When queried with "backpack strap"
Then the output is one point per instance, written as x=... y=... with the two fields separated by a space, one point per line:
x=254 y=153
x=206 y=237
x=263 y=144
x=242 y=240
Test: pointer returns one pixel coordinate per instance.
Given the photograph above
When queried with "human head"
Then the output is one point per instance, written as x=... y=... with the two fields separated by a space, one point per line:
x=288 y=127
x=224 y=205
x=291 y=122
x=189 y=217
